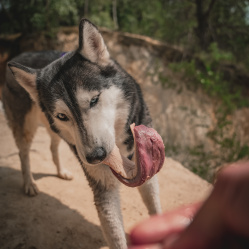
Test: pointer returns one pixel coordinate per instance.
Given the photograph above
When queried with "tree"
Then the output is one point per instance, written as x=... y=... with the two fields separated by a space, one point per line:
x=202 y=18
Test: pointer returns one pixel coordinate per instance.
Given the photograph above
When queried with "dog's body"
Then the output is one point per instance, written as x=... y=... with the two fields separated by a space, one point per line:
x=87 y=99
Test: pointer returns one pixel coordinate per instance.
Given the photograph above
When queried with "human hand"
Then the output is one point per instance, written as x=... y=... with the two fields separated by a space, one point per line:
x=162 y=229
x=221 y=222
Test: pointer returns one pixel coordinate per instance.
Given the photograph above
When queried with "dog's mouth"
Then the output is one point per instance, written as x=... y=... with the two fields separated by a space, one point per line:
x=149 y=157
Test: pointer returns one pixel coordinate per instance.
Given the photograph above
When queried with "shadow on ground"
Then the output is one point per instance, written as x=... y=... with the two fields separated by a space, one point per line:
x=41 y=222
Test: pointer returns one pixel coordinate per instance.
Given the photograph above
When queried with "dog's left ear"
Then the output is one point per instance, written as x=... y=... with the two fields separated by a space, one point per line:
x=26 y=77
x=91 y=43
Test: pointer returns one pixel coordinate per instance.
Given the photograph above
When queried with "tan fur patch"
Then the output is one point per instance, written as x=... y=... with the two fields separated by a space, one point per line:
x=26 y=80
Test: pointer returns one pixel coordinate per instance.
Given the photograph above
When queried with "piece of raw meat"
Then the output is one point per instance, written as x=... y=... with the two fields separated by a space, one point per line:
x=149 y=157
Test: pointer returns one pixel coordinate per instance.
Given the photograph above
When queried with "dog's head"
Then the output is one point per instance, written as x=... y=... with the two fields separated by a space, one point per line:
x=82 y=95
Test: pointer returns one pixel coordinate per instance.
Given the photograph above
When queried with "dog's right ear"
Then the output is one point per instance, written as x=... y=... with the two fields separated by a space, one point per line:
x=91 y=43
x=26 y=77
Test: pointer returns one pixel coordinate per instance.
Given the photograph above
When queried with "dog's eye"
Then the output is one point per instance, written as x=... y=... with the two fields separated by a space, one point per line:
x=62 y=117
x=94 y=101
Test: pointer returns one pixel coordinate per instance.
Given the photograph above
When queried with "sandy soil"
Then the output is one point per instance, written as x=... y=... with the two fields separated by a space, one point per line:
x=63 y=215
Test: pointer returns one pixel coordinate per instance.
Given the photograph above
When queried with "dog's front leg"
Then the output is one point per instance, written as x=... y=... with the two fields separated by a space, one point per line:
x=150 y=195
x=108 y=206
x=105 y=188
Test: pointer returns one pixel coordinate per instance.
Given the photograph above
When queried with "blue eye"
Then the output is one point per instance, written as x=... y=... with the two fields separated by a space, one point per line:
x=94 y=101
x=62 y=117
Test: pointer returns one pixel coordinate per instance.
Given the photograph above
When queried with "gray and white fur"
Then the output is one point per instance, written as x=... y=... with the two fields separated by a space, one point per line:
x=87 y=99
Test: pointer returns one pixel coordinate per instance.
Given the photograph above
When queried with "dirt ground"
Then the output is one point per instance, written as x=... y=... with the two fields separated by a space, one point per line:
x=63 y=215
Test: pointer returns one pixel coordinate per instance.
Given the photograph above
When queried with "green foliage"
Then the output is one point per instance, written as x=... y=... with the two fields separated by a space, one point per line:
x=225 y=23
x=36 y=15
x=230 y=147
x=231 y=28
x=205 y=72
x=100 y=13
x=201 y=162
x=210 y=77
x=216 y=55
x=205 y=163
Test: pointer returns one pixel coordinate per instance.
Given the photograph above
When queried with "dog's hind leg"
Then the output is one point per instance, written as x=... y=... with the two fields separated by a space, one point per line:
x=23 y=136
x=150 y=195
x=30 y=187
x=55 y=140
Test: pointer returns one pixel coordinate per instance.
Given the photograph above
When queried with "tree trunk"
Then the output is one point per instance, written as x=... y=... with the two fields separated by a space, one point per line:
x=114 y=14
x=202 y=23
x=86 y=4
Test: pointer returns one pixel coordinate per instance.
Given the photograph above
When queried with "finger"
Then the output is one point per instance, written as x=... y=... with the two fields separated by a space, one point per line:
x=151 y=246
x=225 y=209
x=156 y=228
x=206 y=229
x=235 y=197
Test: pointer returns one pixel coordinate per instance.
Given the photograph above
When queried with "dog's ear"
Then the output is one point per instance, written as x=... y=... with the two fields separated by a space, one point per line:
x=26 y=77
x=91 y=43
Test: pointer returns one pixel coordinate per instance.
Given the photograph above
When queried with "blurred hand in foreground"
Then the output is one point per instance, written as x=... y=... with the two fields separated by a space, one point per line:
x=222 y=221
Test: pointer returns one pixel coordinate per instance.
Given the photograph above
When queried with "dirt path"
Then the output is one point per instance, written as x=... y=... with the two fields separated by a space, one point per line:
x=63 y=215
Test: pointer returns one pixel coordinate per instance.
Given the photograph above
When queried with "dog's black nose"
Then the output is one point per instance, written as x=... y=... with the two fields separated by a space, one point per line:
x=97 y=156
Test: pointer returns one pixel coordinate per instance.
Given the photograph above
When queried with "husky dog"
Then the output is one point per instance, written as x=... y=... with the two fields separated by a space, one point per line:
x=87 y=99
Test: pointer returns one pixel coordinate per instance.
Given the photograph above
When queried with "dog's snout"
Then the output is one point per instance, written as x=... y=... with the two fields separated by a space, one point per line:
x=97 y=156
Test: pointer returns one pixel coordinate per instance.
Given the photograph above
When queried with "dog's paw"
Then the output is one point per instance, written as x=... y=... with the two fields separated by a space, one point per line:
x=66 y=175
x=30 y=188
